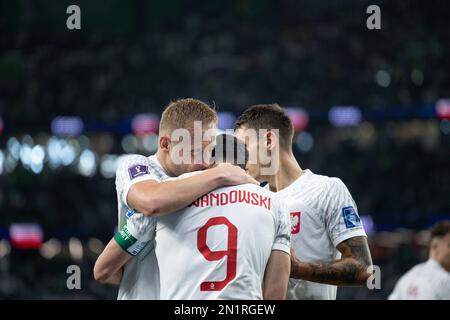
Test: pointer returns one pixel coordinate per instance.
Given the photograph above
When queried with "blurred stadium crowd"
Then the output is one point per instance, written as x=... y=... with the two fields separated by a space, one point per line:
x=368 y=107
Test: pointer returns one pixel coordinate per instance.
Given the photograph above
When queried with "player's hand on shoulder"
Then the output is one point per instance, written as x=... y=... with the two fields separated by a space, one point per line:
x=233 y=175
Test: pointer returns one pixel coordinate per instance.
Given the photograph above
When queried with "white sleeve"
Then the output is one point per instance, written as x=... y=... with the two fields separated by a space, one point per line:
x=282 y=240
x=133 y=169
x=443 y=291
x=190 y=174
x=395 y=295
x=341 y=214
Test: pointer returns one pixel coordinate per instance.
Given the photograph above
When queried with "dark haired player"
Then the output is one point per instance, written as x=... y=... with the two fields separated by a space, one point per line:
x=429 y=280
x=327 y=234
x=231 y=243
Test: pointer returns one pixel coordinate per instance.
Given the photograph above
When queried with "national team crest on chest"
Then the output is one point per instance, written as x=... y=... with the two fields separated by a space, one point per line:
x=138 y=170
x=295 y=222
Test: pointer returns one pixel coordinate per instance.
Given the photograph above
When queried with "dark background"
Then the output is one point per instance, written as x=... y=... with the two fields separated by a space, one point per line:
x=133 y=57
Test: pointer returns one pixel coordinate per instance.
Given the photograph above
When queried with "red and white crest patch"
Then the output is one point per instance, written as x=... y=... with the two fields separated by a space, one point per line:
x=295 y=222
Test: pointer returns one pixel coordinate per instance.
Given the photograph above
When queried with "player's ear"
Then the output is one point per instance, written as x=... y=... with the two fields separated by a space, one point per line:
x=164 y=143
x=271 y=140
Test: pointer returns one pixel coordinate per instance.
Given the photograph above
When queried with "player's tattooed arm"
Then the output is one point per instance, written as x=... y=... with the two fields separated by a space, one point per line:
x=350 y=270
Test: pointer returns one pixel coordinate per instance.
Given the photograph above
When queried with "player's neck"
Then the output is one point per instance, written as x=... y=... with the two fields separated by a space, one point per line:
x=435 y=257
x=289 y=171
x=447 y=268
x=161 y=157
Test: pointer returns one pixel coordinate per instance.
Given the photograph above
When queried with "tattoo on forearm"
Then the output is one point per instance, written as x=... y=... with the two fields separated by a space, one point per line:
x=350 y=270
x=359 y=250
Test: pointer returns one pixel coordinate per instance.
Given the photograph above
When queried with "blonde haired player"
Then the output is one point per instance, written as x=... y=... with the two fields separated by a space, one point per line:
x=429 y=280
x=142 y=186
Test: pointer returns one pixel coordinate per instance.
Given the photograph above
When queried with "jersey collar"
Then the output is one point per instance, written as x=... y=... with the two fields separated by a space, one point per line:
x=306 y=173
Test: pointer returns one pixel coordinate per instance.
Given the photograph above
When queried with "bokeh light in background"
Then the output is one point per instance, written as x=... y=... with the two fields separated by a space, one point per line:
x=76 y=249
x=304 y=141
x=445 y=126
x=342 y=116
x=50 y=248
x=87 y=165
x=417 y=77
x=129 y=143
x=25 y=155
x=149 y=143
x=2 y=161
x=145 y=123
x=5 y=248
x=299 y=118
x=383 y=78
x=95 y=245
x=14 y=147
x=369 y=225
x=443 y=109
x=61 y=152
x=37 y=157
x=108 y=166
x=226 y=120
x=67 y=126
x=26 y=235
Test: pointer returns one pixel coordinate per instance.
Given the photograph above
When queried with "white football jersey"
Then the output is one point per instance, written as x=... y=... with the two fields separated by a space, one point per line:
x=323 y=214
x=218 y=247
x=425 y=281
x=141 y=275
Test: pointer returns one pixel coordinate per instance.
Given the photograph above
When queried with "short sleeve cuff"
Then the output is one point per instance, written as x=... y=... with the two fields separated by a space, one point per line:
x=136 y=180
x=357 y=232
x=282 y=247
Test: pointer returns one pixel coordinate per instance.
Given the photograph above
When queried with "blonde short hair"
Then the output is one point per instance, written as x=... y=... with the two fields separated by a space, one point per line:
x=182 y=111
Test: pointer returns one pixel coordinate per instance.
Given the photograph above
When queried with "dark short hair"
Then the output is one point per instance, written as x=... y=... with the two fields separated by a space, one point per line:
x=268 y=116
x=440 y=229
x=230 y=149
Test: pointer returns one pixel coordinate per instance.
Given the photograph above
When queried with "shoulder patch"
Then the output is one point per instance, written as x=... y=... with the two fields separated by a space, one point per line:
x=351 y=217
x=138 y=170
